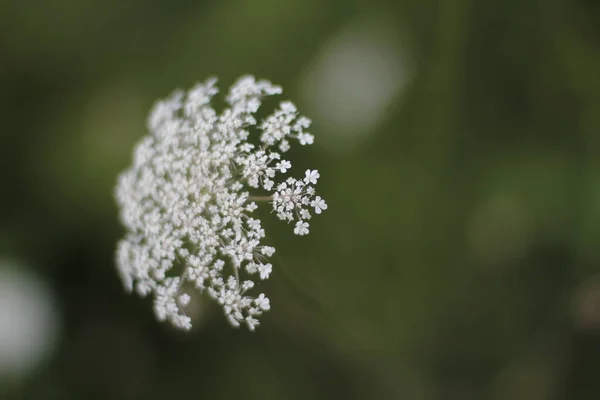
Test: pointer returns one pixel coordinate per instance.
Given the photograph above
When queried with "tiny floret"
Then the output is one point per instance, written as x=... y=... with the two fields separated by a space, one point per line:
x=262 y=302
x=319 y=204
x=301 y=228
x=187 y=201
x=311 y=176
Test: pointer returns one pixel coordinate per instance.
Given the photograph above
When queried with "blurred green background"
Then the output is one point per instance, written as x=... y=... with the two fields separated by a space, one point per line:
x=459 y=149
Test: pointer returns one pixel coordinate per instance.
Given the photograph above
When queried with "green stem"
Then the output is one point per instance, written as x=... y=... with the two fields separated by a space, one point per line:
x=260 y=198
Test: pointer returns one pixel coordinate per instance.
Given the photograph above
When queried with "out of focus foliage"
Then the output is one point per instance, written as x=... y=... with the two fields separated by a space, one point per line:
x=459 y=148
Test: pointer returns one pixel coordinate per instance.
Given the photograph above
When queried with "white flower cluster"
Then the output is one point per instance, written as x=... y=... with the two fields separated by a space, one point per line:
x=187 y=206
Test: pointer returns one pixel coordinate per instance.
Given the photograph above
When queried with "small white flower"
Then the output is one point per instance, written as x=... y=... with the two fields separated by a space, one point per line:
x=263 y=302
x=288 y=107
x=283 y=166
x=301 y=228
x=319 y=204
x=306 y=138
x=254 y=224
x=247 y=285
x=184 y=299
x=187 y=199
x=251 y=268
x=268 y=184
x=264 y=270
x=305 y=214
x=284 y=146
x=268 y=251
x=251 y=322
x=311 y=176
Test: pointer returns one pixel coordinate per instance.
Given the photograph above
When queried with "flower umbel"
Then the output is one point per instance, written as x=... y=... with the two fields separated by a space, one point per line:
x=187 y=200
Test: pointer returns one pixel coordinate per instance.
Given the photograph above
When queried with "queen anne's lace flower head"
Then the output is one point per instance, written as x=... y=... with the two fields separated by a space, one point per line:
x=187 y=200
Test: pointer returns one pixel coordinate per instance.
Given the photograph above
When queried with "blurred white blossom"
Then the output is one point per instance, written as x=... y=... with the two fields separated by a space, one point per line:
x=186 y=201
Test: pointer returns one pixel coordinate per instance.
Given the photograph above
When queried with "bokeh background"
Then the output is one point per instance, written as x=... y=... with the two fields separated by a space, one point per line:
x=459 y=148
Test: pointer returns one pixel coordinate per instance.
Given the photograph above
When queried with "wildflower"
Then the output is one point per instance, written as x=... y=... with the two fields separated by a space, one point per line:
x=262 y=302
x=187 y=199
x=265 y=270
x=311 y=176
x=301 y=228
x=319 y=204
